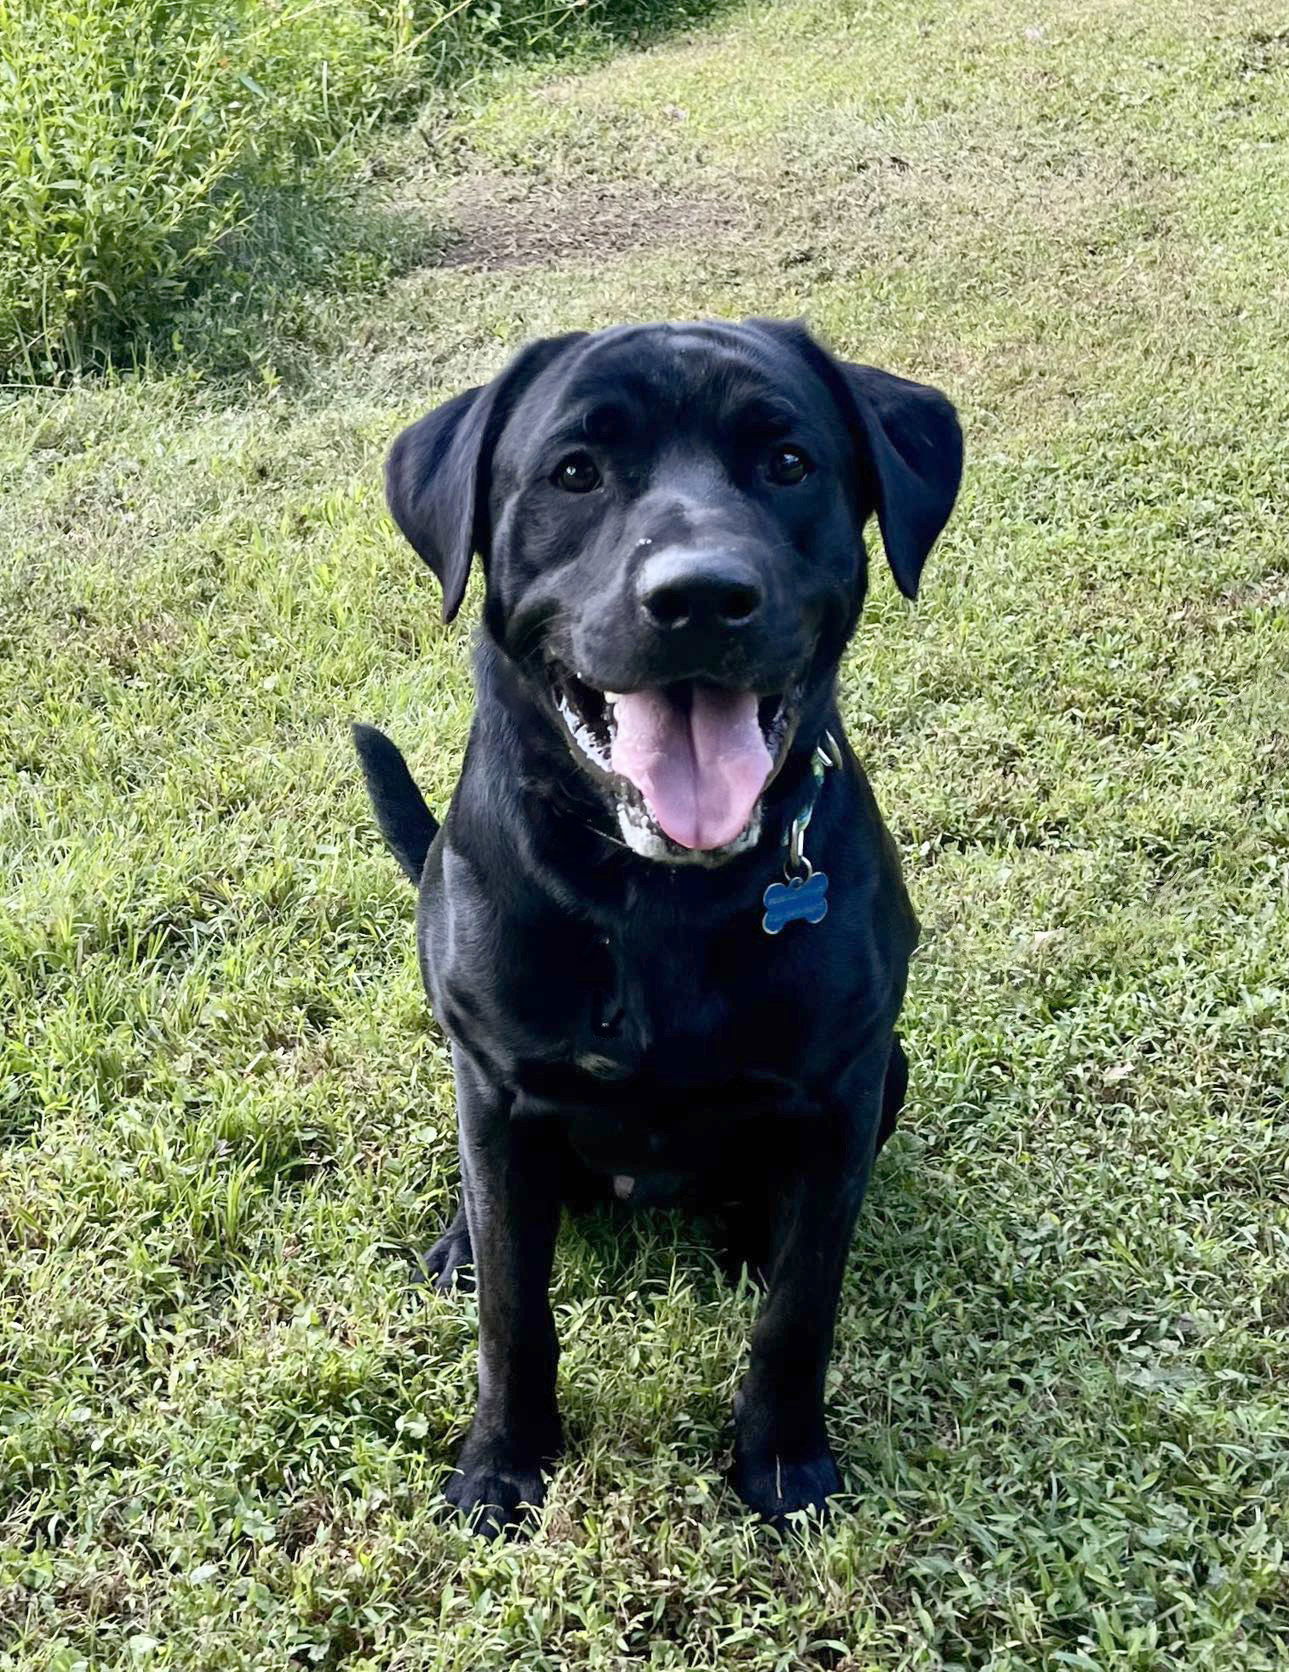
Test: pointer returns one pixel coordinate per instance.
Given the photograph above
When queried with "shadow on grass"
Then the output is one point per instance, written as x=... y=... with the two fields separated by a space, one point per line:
x=903 y=1226
x=637 y=1261
x=641 y=22
x=280 y=289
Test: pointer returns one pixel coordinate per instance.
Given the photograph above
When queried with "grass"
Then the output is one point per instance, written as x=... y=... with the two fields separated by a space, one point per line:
x=1059 y=1387
x=178 y=177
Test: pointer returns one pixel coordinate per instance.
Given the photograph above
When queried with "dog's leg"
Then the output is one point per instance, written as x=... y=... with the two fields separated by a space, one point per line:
x=747 y=1224
x=510 y=1182
x=782 y=1459
x=745 y=1233
x=894 y=1089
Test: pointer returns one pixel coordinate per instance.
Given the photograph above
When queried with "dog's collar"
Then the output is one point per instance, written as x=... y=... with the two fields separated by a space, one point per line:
x=802 y=897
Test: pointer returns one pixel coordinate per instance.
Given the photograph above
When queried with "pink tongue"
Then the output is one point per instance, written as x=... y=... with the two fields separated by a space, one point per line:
x=700 y=772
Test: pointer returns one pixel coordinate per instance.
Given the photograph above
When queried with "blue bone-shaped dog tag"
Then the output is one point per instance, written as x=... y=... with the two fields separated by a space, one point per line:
x=800 y=900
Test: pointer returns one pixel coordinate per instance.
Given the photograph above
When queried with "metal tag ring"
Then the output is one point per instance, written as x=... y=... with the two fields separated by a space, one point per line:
x=798 y=864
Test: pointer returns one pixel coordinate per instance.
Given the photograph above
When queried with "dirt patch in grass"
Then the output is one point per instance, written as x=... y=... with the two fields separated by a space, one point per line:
x=1265 y=50
x=498 y=220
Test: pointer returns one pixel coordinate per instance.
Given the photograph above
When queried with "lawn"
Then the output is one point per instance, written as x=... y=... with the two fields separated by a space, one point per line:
x=1061 y=1386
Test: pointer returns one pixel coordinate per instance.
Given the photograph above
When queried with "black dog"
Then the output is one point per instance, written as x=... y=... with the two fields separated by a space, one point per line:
x=657 y=981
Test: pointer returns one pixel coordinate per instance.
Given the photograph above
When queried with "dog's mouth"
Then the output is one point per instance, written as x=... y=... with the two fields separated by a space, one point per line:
x=687 y=763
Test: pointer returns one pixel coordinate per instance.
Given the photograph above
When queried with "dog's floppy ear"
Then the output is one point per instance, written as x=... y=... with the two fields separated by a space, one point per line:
x=909 y=445
x=914 y=444
x=431 y=479
x=439 y=470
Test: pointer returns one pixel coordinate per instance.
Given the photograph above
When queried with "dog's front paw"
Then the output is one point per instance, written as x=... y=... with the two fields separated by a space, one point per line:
x=776 y=1487
x=494 y=1490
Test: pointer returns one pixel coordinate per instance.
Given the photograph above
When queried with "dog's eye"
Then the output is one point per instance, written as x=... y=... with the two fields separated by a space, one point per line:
x=787 y=466
x=576 y=473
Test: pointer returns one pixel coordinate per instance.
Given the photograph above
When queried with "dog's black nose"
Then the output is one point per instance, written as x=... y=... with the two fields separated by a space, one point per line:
x=699 y=589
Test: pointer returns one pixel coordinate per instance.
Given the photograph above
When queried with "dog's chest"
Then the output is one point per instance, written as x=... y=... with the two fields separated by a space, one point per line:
x=655 y=1020
x=680 y=1008
x=662 y=1002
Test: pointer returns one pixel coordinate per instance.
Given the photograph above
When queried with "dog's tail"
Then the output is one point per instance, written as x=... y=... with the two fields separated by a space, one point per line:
x=406 y=823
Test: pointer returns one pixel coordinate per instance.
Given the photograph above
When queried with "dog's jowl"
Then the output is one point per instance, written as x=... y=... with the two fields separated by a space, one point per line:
x=662 y=923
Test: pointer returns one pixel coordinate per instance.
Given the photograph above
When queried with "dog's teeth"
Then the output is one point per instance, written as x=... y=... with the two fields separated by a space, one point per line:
x=612 y=696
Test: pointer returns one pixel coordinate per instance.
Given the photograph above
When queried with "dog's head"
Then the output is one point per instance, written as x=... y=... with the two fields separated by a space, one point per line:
x=670 y=519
